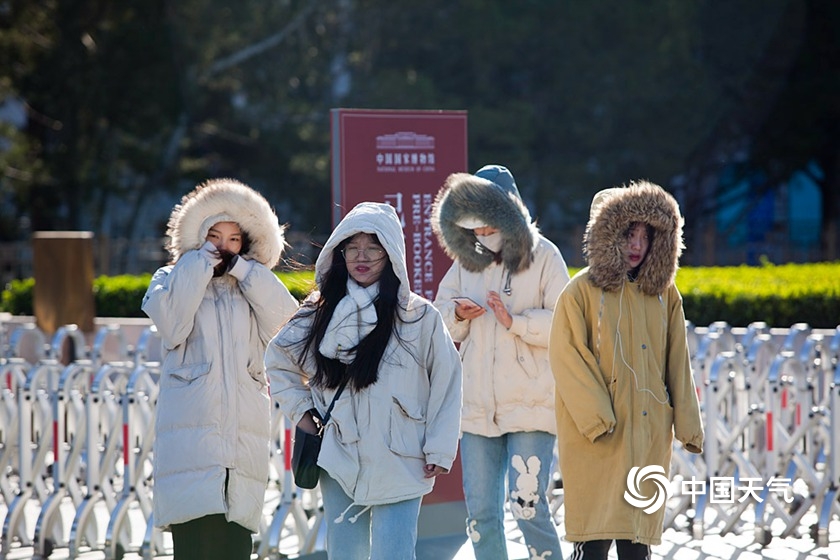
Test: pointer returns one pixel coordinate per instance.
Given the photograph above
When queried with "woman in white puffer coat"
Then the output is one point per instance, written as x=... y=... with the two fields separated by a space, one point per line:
x=215 y=307
x=394 y=428
x=511 y=276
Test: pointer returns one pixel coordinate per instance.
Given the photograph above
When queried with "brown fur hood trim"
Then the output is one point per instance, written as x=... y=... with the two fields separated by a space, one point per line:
x=226 y=200
x=613 y=210
x=468 y=196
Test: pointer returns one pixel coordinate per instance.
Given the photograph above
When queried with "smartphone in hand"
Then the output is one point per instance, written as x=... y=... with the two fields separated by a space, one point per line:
x=466 y=302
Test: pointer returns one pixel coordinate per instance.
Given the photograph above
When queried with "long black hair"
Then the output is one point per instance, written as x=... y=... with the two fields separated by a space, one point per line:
x=364 y=370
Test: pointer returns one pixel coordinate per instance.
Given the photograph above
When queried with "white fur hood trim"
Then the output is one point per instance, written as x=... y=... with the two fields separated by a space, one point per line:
x=220 y=200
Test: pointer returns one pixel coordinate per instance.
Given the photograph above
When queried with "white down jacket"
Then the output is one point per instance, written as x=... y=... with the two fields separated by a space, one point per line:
x=508 y=384
x=212 y=431
x=379 y=438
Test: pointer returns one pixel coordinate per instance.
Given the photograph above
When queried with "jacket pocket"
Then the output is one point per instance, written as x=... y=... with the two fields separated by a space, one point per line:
x=525 y=358
x=257 y=373
x=186 y=375
x=344 y=423
x=408 y=428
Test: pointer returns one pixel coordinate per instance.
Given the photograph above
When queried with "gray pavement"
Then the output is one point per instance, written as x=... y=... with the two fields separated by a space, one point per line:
x=681 y=545
x=738 y=544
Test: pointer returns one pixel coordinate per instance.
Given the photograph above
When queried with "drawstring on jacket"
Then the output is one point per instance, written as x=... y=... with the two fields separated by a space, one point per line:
x=340 y=518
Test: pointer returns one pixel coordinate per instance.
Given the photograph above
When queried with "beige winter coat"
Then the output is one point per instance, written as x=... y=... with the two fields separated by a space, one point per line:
x=621 y=363
x=508 y=385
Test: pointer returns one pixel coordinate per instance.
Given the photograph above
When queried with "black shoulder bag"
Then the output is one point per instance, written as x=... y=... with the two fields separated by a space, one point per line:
x=307 y=447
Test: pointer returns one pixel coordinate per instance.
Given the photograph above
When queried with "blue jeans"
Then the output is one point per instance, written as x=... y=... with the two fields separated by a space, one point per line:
x=354 y=532
x=525 y=459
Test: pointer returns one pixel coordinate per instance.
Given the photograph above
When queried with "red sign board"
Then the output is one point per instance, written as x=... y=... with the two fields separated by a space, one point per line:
x=401 y=158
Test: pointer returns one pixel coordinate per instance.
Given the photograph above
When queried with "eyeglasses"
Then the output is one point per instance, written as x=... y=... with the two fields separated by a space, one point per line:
x=370 y=253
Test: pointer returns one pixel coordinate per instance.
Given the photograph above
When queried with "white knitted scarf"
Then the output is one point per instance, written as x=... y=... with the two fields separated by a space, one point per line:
x=353 y=319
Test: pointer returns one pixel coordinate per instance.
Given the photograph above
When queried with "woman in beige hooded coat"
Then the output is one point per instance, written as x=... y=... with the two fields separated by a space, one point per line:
x=624 y=386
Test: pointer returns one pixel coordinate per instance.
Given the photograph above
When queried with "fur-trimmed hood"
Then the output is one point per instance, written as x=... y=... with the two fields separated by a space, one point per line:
x=226 y=200
x=612 y=212
x=495 y=203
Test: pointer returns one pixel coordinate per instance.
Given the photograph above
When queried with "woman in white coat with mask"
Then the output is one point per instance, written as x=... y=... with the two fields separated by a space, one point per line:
x=497 y=300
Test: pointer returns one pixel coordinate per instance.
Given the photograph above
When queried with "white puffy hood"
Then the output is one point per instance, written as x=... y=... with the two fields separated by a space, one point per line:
x=376 y=218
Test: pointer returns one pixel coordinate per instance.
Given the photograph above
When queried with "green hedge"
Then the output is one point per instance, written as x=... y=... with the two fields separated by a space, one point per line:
x=778 y=295
x=120 y=296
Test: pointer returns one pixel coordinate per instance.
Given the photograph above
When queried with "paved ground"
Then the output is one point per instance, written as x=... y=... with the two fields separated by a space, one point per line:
x=677 y=544
x=680 y=545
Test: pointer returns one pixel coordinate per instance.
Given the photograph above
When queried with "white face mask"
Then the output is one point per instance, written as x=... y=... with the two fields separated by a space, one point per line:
x=492 y=241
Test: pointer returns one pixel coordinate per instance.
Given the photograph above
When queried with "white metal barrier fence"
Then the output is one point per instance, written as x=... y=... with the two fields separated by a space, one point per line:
x=76 y=435
x=770 y=401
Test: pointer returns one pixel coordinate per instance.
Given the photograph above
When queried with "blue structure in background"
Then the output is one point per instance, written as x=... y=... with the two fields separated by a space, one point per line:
x=805 y=207
x=748 y=214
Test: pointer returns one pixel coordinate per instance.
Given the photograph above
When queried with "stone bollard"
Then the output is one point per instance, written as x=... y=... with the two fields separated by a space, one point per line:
x=63 y=271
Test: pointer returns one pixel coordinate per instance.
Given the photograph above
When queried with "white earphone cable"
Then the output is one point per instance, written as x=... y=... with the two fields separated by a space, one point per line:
x=620 y=348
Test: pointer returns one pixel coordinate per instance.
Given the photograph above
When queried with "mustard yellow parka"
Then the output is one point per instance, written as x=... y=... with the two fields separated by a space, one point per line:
x=620 y=359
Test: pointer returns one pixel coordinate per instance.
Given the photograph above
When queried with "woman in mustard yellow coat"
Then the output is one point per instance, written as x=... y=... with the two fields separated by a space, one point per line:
x=624 y=387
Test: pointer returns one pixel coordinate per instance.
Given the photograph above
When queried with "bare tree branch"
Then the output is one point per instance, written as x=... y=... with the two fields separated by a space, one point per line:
x=257 y=48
